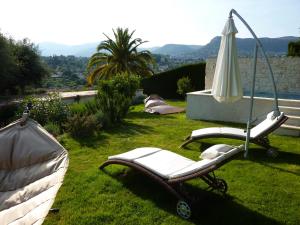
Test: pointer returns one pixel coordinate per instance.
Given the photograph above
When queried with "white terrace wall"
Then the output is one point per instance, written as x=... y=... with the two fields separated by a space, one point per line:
x=286 y=72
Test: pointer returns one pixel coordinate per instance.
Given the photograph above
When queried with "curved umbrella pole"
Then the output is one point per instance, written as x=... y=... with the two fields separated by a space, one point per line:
x=257 y=45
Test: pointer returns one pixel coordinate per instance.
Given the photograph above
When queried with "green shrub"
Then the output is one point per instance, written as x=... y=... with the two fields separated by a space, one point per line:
x=103 y=119
x=184 y=85
x=47 y=109
x=82 y=125
x=53 y=129
x=91 y=106
x=112 y=103
x=78 y=108
x=165 y=84
x=8 y=114
x=114 y=98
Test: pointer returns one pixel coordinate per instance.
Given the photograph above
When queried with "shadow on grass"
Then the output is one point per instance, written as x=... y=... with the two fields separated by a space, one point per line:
x=92 y=141
x=124 y=129
x=203 y=145
x=144 y=115
x=129 y=128
x=261 y=156
x=212 y=209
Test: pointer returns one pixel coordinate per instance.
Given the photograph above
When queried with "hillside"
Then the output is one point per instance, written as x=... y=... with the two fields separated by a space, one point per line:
x=245 y=46
x=50 y=49
x=176 y=49
x=273 y=46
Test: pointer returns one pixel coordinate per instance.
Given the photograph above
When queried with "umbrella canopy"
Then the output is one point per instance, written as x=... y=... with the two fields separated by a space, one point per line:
x=227 y=85
x=32 y=169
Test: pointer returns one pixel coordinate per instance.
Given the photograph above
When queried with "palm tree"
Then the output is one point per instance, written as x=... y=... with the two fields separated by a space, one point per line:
x=119 y=56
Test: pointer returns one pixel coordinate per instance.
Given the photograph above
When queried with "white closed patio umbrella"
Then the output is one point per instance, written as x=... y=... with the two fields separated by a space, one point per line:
x=227 y=85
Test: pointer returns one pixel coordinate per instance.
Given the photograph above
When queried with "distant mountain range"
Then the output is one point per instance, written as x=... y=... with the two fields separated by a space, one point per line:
x=245 y=47
x=84 y=50
x=273 y=46
x=176 y=49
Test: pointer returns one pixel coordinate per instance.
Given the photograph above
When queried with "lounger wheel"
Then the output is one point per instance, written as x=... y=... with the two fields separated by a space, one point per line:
x=271 y=152
x=184 y=209
x=221 y=185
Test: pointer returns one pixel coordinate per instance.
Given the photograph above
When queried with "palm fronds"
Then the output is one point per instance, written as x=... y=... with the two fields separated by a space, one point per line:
x=119 y=56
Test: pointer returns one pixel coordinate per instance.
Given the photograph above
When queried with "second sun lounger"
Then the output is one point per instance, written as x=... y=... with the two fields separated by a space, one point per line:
x=258 y=134
x=171 y=170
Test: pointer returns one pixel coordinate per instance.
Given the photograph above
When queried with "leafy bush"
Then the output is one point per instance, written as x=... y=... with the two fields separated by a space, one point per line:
x=7 y=114
x=82 y=125
x=91 y=106
x=103 y=119
x=53 y=129
x=48 y=109
x=78 y=108
x=165 y=84
x=114 y=98
x=184 y=85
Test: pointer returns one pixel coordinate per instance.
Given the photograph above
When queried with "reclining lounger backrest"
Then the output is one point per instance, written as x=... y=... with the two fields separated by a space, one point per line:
x=268 y=125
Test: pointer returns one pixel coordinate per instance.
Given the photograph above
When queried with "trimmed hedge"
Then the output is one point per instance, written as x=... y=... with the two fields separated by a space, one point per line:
x=165 y=84
x=294 y=49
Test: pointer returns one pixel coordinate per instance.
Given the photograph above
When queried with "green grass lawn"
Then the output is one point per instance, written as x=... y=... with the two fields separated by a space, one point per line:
x=261 y=190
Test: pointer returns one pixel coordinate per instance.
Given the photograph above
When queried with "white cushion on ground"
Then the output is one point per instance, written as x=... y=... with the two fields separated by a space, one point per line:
x=136 y=153
x=155 y=102
x=164 y=109
x=164 y=162
x=215 y=151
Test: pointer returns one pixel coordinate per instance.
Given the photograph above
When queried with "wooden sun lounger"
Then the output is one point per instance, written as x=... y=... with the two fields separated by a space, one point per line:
x=258 y=135
x=171 y=170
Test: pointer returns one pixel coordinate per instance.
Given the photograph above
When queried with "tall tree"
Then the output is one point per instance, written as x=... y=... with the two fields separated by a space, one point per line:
x=8 y=65
x=31 y=69
x=119 y=56
x=20 y=65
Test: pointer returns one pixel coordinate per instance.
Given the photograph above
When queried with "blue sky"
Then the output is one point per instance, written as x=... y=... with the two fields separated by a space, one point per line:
x=158 y=21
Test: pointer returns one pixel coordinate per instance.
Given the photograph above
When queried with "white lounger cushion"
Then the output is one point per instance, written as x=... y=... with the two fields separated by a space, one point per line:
x=218 y=130
x=164 y=163
x=205 y=163
x=255 y=131
x=135 y=154
x=168 y=164
x=265 y=125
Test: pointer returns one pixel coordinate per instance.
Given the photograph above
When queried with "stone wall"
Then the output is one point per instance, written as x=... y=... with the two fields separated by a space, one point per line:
x=286 y=72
